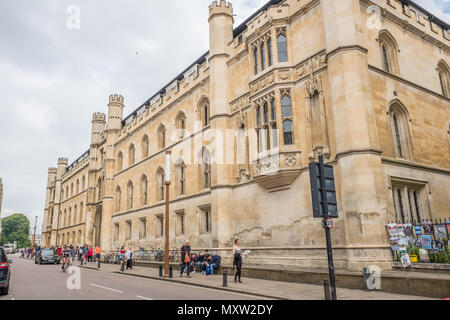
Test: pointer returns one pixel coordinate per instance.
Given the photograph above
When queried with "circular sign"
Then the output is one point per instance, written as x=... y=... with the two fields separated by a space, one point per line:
x=329 y=223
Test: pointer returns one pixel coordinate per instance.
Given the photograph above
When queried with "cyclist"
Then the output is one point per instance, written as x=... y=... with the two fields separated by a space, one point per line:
x=66 y=256
x=122 y=258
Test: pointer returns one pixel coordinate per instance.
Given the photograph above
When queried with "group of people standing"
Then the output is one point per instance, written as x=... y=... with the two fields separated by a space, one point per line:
x=126 y=258
x=82 y=254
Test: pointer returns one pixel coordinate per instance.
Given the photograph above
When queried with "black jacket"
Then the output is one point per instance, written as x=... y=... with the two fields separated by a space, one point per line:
x=185 y=249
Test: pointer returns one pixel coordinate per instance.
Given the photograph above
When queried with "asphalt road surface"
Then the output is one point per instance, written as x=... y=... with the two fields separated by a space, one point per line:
x=31 y=281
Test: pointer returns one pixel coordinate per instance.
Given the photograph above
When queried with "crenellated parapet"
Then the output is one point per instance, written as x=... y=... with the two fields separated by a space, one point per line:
x=115 y=112
x=221 y=7
x=63 y=161
x=99 y=117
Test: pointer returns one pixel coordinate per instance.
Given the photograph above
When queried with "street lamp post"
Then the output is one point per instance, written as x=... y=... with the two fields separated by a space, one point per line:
x=166 y=218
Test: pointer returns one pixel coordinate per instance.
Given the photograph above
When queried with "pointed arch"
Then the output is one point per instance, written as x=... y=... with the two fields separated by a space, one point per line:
x=388 y=50
x=204 y=160
x=160 y=184
x=204 y=112
x=180 y=167
x=77 y=186
x=444 y=78
x=144 y=146
x=401 y=133
x=117 y=198
x=119 y=162
x=131 y=155
x=83 y=183
x=180 y=124
x=144 y=190
x=81 y=212
x=161 y=134
x=130 y=195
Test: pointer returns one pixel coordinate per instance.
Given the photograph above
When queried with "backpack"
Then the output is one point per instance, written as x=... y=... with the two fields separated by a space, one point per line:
x=216 y=259
x=187 y=259
x=208 y=270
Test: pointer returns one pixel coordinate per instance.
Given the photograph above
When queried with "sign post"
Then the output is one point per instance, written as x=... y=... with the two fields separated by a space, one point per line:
x=325 y=206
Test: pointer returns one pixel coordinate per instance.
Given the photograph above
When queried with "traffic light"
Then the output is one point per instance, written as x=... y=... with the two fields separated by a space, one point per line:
x=316 y=190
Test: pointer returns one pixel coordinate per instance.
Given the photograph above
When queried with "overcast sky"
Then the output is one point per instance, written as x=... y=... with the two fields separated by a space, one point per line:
x=53 y=78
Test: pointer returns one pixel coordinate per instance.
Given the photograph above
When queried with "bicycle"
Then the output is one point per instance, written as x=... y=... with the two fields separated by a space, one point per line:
x=66 y=264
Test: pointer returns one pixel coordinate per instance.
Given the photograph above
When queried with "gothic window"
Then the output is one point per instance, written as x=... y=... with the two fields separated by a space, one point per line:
x=71 y=190
x=444 y=78
x=389 y=49
x=77 y=187
x=205 y=220
x=67 y=192
x=69 y=218
x=180 y=224
x=142 y=228
x=161 y=137
x=258 y=116
x=144 y=190
x=286 y=107
x=263 y=56
x=116 y=232
x=118 y=196
x=128 y=229
x=205 y=115
x=160 y=225
x=62 y=195
x=266 y=113
x=131 y=154
x=282 y=46
x=286 y=111
x=130 y=195
x=255 y=61
x=181 y=176
x=83 y=183
x=269 y=52
x=400 y=131
x=75 y=215
x=206 y=161
x=119 y=162
x=144 y=146
x=273 y=109
x=160 y=184
x=409 y=200
x=181 y=125
x=81 y=213
x=99 y=189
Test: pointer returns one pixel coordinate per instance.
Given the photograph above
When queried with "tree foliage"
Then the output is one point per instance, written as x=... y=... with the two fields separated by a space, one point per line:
x=16 y=228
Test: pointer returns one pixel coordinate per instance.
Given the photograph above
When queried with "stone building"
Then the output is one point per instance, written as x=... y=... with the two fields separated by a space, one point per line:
x=365 y=83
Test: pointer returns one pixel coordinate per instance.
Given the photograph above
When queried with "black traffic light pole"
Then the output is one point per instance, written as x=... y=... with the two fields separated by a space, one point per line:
x=327 y=229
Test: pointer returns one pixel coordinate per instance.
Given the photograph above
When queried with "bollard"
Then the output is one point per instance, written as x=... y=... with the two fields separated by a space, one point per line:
x=326 y=287
x=225 y=278
x=160 y=270
x=170 y=272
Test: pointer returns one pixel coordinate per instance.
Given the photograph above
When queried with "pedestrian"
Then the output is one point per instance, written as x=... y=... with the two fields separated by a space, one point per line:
x=98 y=251
x=90 y=254
x=122 y=258
x=58 y=251
x=86 y=253
x=237 y=260
x=185 y=258
x=129 y=256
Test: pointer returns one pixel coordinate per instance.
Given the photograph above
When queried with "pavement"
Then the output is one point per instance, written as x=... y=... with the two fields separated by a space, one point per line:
x=255 y=287
x=31 y=281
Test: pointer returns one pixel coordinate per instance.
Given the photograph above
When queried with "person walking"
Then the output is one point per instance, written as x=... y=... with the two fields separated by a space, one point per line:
x=185 y=258
x=91 y=251
x=129 y=256
x=237 y=260
x=122 y=258
x=85 y=253
x=98 y=251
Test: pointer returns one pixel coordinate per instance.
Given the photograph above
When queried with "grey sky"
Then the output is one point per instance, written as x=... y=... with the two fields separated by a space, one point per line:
x=53 y=78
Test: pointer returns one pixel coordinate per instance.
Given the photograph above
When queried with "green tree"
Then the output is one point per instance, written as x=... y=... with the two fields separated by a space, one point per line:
x=16 y=228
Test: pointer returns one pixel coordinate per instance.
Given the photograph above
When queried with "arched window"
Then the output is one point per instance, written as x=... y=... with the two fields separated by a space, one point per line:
x=255 y=61
x=83 y=183
x=67 y=192
x=144 y=147
x=266 y=113
x=62 y=195
x=286 y=107
x=262 y=50
x=144 y=190
x=160 y=184
x=130 y=195
x=69 y=218
x=71 y=190
x=269 y=52
x=181 y=125
x=204 y=111
x=400 y=130
x=444 y=78
x=181 y=176
x=389 y=49
x=258 y=116
x=206 y=162
x=206 y=115
x=119 y=165
x=131 y=154
x=81 y=213
x=118 y=196
x=282 y=47
x=161 y=136
x=77 y=187
x=75 y=215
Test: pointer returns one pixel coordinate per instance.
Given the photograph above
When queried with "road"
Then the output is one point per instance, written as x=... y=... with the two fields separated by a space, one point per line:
x=31 y=281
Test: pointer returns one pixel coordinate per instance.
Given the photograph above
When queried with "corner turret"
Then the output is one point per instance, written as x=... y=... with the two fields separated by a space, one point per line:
x=115 y=112
x=98 y=126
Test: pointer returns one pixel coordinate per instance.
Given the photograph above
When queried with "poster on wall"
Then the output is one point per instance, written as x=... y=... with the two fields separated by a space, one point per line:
x=426 y=242
x=392 y=230
x=437 y=246
x=440 y=231
x=417 y=243
x=407 y=228
x=448 y=226
x=405 y=260
x=394 y=243
x=424 y=257
x=400 y=231
x=418 y=230
x=428 y=228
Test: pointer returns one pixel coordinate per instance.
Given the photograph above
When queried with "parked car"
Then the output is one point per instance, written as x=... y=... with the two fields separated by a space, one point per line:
x=5 y=272
x=47 y=256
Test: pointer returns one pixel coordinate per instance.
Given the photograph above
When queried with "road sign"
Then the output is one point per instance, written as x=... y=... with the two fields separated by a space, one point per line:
x=328 y=223
x=316 y=191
